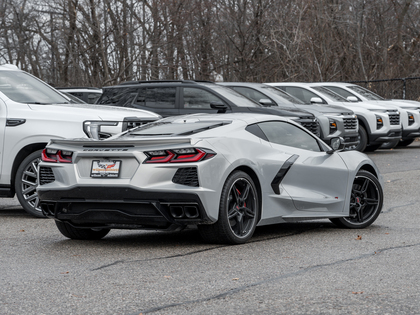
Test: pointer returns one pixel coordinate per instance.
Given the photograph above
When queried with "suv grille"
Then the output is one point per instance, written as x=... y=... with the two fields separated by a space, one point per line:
x=394 y=119
x=350 y=123
x=312 y=126
x=186 y=176
x=46 y=175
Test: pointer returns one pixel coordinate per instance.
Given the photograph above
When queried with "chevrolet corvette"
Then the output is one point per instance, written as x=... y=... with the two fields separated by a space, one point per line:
x=224 y=173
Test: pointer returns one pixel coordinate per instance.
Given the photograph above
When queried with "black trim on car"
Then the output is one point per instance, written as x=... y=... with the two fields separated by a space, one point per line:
x=282 y=173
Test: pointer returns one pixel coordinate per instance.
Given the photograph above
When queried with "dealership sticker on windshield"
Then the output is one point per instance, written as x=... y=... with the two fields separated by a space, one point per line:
x=105 y=169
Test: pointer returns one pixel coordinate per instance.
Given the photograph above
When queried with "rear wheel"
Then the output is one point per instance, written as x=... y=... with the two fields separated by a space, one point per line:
x=80 y=234
x=238 y=212
x=404 y=143
x=26 y=182
x=365 y=202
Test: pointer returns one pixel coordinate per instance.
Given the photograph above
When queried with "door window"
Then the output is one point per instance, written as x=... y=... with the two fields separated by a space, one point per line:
x=302 y=94
x=157 y=97
x=287 y=134
x=199 y=99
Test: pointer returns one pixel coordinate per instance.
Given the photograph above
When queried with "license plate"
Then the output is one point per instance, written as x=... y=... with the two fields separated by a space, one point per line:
x=105 y=169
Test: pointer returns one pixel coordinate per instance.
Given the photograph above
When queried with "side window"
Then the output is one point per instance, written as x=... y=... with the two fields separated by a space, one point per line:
x=287 y=134
x=199 y=98
x=302 y=94
x=251 y=93
x=159 y=97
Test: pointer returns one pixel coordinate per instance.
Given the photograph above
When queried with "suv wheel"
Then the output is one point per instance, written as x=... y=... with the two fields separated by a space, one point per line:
x=26 y=182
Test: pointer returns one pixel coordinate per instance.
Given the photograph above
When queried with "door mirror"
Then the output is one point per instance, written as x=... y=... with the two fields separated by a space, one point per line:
x=316 y=100
x=221 y=108
x=336 y=144
x=266 y=102
x=352 y=99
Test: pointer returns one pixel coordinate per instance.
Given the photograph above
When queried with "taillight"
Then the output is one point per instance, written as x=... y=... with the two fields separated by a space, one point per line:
x=186 y=155
x=53 y=155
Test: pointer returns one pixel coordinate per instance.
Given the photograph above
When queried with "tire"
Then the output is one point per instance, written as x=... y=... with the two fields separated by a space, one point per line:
x=25 y=184
x=404 y=143
x=365 y=202
x=238 y=212
x=390 y=144
x=371 y=148
x=80 y=234
x=363 y=139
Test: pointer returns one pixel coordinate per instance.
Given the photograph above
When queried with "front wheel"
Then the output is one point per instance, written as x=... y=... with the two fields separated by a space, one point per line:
x=365 y=202
x=363 y=139
x=404 y=143
x=80 y=234
x=238 y=212
x=26 y=182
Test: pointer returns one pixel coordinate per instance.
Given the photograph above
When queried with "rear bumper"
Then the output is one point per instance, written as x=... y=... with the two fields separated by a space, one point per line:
x=123 y=208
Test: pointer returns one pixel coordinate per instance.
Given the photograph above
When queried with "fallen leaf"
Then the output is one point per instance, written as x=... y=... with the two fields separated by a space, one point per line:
x=63 y=273
x=235 y=279
x=359 y=237
x=22 y=231
x=361 y=292
x=386 y=233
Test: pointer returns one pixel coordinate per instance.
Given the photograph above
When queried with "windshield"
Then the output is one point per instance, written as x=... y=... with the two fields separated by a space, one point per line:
x=287 y=98
x=330 y=94
x=365 y=93
x=233 y=96
x=175 y=128
x=23 y=88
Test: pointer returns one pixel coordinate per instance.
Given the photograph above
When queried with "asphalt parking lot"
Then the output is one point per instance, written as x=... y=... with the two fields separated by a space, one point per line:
x=300 y=268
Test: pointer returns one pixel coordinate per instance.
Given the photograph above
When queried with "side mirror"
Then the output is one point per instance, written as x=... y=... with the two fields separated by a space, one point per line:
x=316 y=100
x=337 y=144
x=352 y=99
x=266 y=102
x=221 y=108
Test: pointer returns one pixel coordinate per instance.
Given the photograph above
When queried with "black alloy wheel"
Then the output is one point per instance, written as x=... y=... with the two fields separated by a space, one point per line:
x=238 y=212
x=365 y=202
x=363 y=139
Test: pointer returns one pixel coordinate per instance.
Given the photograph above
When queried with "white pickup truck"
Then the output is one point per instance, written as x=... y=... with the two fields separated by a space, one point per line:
x=31 y=114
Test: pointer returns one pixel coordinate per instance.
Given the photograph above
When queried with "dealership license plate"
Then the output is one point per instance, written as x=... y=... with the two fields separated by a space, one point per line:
x=105 y=169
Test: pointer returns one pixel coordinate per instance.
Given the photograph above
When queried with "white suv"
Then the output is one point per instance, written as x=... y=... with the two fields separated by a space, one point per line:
x=377 y=124
x=32 y=113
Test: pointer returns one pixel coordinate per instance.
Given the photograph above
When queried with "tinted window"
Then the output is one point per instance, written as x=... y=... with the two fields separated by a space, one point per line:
x=334 y=96
x=366 y=93
x=157 y=97
x=289 y=135
x=341 y=91
x=24 y=88
x=251 y=93
x=236 y=98
x=118 y=96
x=199 y=98
x=303 y=94
x=287 y=98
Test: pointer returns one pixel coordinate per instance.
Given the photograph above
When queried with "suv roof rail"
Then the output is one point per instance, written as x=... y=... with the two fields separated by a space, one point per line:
x=77 y=87
x=165 y=81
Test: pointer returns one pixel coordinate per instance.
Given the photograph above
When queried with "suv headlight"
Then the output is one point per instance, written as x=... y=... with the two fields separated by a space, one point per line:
x=410 y=118
x=93 y=129
x=333 y=125
x=379 y=122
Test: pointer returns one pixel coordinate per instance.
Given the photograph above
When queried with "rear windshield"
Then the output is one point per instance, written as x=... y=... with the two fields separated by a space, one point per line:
x=21 y=87
x=176 y=128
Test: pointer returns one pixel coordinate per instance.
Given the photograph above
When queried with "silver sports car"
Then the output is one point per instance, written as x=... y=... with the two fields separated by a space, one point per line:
x=225 y=174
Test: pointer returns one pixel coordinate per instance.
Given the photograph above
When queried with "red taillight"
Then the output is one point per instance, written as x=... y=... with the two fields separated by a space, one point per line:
x=187 y=155
x=54 y=156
